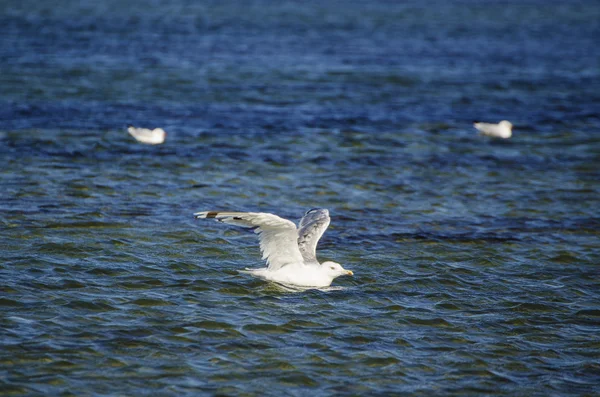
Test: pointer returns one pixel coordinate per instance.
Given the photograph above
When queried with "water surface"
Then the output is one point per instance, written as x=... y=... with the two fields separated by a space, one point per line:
x=475 y=260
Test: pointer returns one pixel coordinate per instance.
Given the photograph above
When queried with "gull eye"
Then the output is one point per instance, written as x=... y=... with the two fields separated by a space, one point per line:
x=332 y=268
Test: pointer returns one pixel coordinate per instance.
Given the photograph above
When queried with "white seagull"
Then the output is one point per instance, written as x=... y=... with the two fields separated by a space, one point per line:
x=145 y=135
x=290 y=252
x=501 y=130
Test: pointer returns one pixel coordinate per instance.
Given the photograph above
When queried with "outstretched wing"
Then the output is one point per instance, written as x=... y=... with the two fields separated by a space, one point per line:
x=278 y=237
x=312 y=226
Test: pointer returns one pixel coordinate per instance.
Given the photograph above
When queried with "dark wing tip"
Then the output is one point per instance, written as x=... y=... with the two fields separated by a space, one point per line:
x=207 y=214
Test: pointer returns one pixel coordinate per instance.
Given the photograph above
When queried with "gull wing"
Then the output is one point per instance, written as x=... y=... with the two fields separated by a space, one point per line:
x=312 y=226
x=278 y=237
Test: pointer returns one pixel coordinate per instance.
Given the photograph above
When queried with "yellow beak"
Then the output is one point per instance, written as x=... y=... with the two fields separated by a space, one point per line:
x=349 y=272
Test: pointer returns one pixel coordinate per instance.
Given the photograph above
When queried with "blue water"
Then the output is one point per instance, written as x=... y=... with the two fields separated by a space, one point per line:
x=476 y=261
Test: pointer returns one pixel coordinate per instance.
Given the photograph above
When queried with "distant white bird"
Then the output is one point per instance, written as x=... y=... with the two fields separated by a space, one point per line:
x=290 y=252
x=144 y=135
x=501 y=130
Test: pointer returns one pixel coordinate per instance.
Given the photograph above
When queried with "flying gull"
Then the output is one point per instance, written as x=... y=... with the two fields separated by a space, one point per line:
x=290 y=252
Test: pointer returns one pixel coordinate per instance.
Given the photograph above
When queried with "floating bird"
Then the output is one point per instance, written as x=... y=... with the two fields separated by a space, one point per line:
x=501 y=130
x=290 y=252
x=145 y=135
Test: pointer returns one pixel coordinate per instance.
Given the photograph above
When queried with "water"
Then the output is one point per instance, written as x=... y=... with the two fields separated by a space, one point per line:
x=475 y=261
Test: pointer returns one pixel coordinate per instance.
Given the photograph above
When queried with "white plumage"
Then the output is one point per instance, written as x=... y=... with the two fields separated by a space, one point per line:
x=145 y=135
x=501 y=130
x=290 y=252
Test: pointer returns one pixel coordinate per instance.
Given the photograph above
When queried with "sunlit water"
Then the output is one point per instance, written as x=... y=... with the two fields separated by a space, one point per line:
x=475 y=260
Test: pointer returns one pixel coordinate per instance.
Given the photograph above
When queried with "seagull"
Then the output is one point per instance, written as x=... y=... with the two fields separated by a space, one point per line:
x=144 y=135
x=501 y=130
x=290 y=252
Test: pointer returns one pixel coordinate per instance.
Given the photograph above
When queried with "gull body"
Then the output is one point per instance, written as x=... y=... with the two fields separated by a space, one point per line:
x=290 y=251
x=145 y=135
x=501 y=130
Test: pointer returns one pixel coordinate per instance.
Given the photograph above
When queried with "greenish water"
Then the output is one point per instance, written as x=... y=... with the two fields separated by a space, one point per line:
x=475 y=261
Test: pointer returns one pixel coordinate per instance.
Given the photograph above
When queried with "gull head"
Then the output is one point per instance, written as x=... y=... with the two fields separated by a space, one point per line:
x=334 y=269
x=506 y=129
